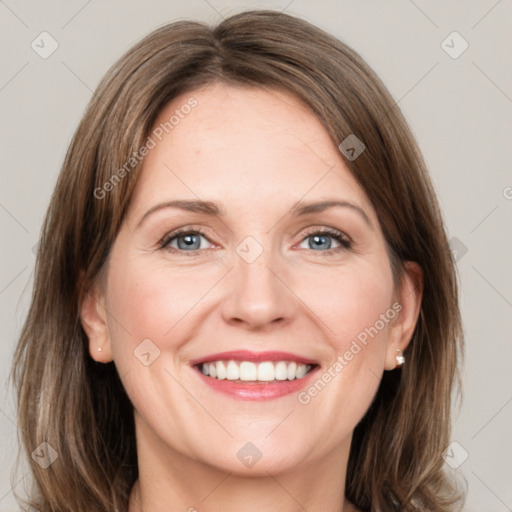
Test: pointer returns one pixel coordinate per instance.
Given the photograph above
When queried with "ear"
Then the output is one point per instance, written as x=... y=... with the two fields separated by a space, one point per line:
x=408 y=302
x=94 y=321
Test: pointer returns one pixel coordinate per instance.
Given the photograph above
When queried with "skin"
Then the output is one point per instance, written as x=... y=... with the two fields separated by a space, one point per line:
x=256 y=153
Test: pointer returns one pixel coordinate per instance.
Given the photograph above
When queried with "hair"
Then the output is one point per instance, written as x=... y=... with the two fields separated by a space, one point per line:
x=80 y=407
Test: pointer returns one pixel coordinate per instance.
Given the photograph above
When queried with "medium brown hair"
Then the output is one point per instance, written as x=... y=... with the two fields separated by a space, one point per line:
x=80 y=407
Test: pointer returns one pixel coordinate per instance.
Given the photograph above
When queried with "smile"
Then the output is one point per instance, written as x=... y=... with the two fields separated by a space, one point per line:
x=265 y=371
x=247 y=375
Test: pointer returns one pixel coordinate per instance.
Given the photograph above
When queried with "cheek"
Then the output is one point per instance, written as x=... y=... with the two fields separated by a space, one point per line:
x=154 y=310
x=351 y=302
x=150 y=302
x=354 y=308
x=361 y=330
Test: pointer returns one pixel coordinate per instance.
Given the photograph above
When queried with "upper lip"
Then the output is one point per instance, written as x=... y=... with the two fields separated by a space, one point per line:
x=247 y=355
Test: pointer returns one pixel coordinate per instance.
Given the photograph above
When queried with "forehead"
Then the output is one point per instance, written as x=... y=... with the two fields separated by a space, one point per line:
x=245 y=146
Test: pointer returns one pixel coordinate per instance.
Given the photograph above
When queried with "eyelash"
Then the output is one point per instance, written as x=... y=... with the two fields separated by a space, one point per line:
x=344 y=241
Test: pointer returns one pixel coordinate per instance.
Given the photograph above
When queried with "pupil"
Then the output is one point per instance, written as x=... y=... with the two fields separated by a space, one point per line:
x=319 y=239
x=189 y=241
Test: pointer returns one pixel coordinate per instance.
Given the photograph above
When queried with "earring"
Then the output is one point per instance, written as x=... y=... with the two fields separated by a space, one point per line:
x=400 y=359
x=99 y=349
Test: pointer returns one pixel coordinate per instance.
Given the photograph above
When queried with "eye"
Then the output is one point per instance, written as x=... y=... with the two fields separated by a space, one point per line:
x=320 y=240
x=185 y=240
x=188 y=240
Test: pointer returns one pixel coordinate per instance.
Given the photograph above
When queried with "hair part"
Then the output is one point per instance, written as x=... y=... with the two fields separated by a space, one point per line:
x=80 y=407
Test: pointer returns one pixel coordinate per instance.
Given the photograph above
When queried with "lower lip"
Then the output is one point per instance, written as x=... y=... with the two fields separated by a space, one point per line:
x=260 y=391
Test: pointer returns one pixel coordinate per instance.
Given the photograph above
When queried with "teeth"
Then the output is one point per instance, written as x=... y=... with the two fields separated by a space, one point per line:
x=281 y=372
x=221 y=370
x=248 y=371
x=265 y=371
x=292 y=368
x=232 y=371
x=301 y=371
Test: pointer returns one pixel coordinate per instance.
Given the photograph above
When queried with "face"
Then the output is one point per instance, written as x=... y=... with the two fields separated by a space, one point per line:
x=244 y=320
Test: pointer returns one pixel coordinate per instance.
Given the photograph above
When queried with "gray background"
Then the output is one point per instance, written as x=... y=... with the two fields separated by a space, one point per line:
x=460 y=110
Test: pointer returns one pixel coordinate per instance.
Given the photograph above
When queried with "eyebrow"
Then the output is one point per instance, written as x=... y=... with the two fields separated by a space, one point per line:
x=302 y=208
x=214 y=209
x=189 y=205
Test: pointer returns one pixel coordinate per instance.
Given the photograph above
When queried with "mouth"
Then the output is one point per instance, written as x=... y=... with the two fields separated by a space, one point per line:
x=255 y=376
x=248 y=371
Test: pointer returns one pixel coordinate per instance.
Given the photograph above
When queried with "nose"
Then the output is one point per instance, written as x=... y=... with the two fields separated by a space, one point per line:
x=257 y=294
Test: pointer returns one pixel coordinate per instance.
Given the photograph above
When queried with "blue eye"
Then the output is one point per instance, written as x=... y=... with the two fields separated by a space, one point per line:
x=187 y=241
x=321 y=240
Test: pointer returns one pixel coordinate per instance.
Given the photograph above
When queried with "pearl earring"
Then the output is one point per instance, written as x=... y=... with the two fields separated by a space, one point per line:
x=99 y=349
x=400 y=359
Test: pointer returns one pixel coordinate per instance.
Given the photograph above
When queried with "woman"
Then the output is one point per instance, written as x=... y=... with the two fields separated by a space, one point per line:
x=244 y=296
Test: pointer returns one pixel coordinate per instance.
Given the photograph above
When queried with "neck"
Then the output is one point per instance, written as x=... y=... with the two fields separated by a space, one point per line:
x=234 y=496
